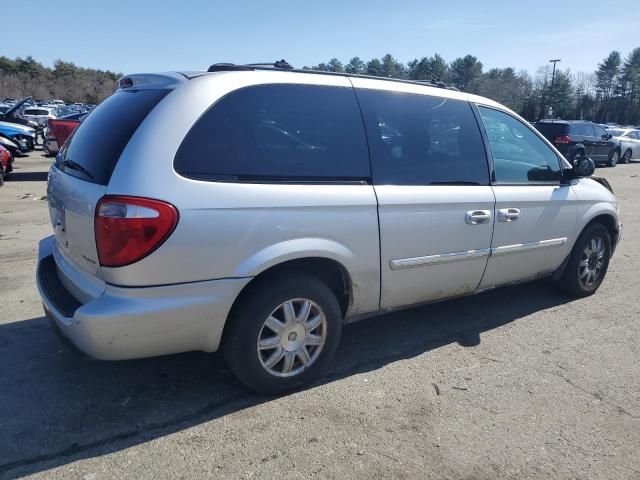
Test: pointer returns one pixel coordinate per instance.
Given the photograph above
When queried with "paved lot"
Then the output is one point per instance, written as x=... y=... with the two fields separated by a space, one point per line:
x=520 y=382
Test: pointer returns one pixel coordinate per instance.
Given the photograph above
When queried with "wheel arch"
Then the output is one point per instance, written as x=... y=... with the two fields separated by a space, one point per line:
x=608 y=220
x=333 y=273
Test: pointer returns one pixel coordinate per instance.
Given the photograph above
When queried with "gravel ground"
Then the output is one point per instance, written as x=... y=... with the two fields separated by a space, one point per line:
x=520 y=382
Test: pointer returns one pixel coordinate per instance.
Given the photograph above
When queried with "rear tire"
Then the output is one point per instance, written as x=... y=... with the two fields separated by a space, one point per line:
x=626 y=158
x=613 y=158
x=1 y=175
x=283 y=333
x=588 y=262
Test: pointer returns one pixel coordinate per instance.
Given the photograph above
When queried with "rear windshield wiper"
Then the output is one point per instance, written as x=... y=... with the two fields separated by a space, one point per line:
x=76 y=166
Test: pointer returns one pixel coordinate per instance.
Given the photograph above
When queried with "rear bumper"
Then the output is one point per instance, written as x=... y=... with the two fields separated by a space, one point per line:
x=123 y=323
x=50 y=146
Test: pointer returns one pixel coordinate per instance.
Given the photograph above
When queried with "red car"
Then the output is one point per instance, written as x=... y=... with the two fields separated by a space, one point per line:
x=6 y=163
x=59 y=130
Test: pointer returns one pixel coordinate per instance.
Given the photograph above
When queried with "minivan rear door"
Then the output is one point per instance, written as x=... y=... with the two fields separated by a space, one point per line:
x=435 y=204
x=82 y=170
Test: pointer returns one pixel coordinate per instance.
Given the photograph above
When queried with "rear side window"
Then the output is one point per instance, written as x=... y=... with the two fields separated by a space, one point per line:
x=279 y=133
x=422 y=140
x=93 y=150
x=584 y=129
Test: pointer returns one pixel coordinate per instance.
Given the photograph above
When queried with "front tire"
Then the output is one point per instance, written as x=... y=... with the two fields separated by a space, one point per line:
x=626 y=158
x=283 y=334
x=588 y=262
x=613 y=158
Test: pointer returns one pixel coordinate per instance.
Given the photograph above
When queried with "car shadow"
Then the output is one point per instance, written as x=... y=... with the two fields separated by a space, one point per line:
x=57 y=407
x=18 y=176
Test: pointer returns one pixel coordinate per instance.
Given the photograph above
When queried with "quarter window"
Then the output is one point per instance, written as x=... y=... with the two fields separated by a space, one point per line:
x=278 y=132
x=519 y=155
x=422 y=140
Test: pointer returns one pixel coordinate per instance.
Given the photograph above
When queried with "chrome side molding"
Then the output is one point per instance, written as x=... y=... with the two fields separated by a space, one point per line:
x=441 y=258
x=412 y=262
x=523 y=247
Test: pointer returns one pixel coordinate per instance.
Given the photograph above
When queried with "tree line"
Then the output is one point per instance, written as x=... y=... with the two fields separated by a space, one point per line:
x=25 y=76
x=610 y=94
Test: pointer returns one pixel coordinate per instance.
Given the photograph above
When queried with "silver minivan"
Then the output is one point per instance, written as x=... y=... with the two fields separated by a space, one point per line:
x=256 y=210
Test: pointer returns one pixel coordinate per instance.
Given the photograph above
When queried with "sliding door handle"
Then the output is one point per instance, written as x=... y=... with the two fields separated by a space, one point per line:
x=508 y=214
x=477 y=217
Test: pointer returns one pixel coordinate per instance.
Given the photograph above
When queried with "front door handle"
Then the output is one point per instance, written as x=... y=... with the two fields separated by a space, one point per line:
x=508 y=214
x=477 y=217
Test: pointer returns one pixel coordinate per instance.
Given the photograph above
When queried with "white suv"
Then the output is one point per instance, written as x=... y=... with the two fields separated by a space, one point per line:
x=258 y=209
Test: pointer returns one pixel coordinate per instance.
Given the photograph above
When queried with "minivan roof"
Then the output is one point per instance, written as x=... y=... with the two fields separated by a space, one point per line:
x=173 y=79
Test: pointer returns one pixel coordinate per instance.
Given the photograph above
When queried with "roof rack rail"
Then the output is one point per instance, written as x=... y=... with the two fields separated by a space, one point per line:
x=284 y=65
x=281 y=64
x=435 y=83
x=230 y=67
x=227 y=67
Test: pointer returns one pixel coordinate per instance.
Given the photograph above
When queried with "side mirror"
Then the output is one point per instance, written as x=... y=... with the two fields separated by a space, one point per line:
x=582 y=167
x=607 y=136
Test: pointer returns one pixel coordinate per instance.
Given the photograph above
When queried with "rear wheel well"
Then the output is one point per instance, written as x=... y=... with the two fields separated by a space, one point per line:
x=331 y=272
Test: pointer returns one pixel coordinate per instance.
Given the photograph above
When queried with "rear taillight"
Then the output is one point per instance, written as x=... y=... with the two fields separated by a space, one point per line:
x=130 y=228
x=563 y=139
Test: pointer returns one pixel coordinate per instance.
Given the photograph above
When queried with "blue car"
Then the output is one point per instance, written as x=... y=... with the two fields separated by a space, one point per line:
x=25 y=137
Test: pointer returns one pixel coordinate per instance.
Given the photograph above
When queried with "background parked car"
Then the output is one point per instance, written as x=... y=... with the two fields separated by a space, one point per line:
x=10 y=145
x=25 y=137
x=579 y=138
x=58 y=130
x=13 y=115
x=629 y=142
x=39 y=114
x=6 y=161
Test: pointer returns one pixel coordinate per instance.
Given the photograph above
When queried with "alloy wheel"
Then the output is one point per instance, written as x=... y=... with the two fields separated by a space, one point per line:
x=591 y=262
x=292 y=337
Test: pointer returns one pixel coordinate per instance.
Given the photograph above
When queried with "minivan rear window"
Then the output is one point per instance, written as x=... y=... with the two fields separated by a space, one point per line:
x=36 y=112
x=552 y=131
x=283 y=132
x=92 y=151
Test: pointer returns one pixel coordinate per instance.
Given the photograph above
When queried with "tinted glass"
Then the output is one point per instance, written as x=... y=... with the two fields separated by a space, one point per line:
x=599 y=131
x=98 y=142
x=519 y=155
x=36 y=112
x=278 y=132
x=618 y=133
x=422 y=140
x=551 y=131
x=635 y=135
x=582 y=130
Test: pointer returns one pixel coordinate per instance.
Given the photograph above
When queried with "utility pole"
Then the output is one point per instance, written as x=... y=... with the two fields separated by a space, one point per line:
x=553 y=77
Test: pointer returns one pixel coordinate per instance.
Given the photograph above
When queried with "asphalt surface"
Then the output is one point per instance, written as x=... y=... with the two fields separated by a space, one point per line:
x=520 y=382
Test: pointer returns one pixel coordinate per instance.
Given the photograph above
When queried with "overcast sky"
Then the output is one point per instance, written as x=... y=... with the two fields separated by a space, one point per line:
x=144 y=35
